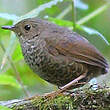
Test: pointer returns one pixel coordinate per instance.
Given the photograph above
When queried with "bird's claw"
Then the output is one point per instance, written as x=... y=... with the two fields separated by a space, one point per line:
x=53 y=94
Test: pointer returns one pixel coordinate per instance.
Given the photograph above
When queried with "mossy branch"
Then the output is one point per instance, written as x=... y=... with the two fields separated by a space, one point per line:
x=81 y=100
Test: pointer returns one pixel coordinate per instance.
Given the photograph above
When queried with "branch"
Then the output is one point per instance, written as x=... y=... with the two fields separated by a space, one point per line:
x=81 y=100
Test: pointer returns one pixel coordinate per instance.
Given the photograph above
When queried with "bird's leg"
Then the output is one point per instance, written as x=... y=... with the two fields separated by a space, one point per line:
x=67 y=86
x=59 y=87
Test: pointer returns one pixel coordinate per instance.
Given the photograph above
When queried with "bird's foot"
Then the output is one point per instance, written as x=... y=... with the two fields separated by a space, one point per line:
x=62 y=91
x=53 y=94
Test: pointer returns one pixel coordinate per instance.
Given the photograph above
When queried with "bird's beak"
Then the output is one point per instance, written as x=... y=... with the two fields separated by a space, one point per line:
x=12 y=28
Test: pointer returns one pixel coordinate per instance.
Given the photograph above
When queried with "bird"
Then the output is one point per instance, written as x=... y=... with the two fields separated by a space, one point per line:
x=57 y=54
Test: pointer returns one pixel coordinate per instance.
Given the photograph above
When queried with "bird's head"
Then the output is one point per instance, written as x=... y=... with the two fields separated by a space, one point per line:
x=27 y=28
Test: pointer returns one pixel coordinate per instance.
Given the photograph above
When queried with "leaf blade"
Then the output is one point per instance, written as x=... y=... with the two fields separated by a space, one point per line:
x=9 y=80
x=93 y=31
x=4 y=108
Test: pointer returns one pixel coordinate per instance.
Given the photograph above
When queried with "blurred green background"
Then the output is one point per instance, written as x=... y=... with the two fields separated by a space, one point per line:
x=59 y=13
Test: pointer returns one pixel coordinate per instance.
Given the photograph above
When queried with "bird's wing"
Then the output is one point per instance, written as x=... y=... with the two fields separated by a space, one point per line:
x=77 y=47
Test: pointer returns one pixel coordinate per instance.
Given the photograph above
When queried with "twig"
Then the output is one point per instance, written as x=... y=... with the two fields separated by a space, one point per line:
x=93 y=14
x=64 y=12
x=74 y=14
x=15 y=69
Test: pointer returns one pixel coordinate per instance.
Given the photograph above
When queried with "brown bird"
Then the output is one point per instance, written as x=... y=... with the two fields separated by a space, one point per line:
x=57 y=54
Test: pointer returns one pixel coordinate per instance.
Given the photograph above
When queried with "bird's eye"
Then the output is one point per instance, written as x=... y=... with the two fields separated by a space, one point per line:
x=27 y=27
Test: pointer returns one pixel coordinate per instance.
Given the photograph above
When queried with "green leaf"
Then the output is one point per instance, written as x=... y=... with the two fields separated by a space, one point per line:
x=93 y=14
x=60 y=22
x=64 y=23
x=9 y=49
x=54 y=10
x=4 y=22
x=40 y=2
x=41 y=8
x=93 y=31
x=4 y=108
x=9 y=80
x=17 y=54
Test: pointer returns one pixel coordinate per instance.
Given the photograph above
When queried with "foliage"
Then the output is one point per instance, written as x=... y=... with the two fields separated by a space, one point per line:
x=4 y=108
x=14 y=71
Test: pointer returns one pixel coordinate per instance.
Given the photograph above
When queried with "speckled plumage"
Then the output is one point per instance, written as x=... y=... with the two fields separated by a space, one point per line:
x=57 y=54
x=50 y=68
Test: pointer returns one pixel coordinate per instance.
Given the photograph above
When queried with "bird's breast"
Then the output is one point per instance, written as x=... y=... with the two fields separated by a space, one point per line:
x=58 y=71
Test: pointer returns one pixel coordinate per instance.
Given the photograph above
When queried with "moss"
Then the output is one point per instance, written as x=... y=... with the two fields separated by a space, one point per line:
x=81 y=100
